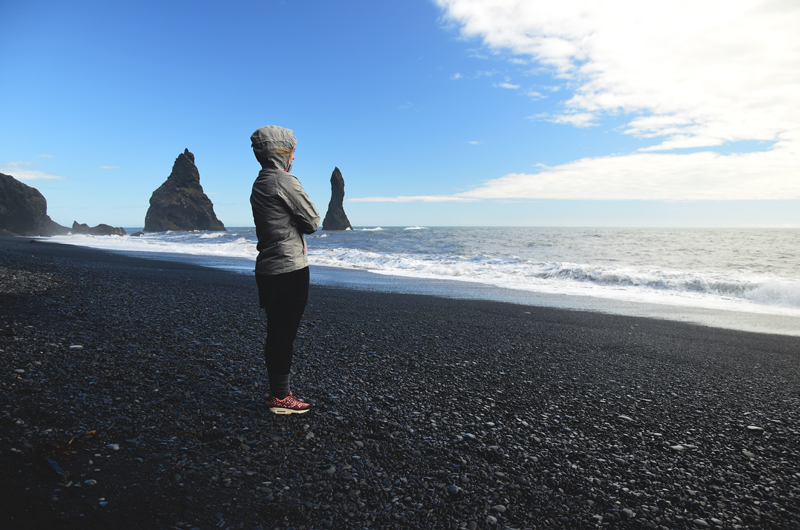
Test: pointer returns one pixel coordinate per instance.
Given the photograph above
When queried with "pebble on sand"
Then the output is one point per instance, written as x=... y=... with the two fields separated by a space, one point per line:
x=547 y=426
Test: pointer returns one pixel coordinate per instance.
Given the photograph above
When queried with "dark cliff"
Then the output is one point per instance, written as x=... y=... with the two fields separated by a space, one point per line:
x=23 y=210
x=336 y=219
x=180 y=203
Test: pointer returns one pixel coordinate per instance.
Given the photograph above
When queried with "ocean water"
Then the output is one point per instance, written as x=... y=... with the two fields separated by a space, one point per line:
x=740 y=270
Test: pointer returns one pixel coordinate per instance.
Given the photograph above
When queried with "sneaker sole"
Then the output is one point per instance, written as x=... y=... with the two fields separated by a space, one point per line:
x=282 y=410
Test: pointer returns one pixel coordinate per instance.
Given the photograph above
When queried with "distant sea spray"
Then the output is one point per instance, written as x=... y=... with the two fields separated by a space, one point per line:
x=756 y=270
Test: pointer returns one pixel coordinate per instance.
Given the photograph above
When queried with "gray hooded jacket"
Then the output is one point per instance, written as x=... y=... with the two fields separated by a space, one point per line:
x=281 y=209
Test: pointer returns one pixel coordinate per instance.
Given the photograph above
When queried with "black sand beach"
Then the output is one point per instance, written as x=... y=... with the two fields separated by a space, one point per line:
x=133 y=397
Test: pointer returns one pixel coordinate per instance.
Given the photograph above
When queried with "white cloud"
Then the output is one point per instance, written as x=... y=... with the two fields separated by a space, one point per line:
x=507 y=85
x=667 y=177
x=21 y=171
x=578 y=119
x=647 y=176
x=45 y=156
x=473 y=142
x=455 y=76
x=689 y=73
x=108 y=167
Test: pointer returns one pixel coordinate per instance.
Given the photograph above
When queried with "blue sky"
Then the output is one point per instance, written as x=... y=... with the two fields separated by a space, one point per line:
x=447 y=112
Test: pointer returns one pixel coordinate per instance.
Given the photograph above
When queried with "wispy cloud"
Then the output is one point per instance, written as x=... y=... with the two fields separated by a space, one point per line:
x=477 y=54
x=473 y=142
x=689 y=73
x=655 y=176
x=507 y=85
x=456 y=76
x=108 y=167
x=45 y=156
x=23 y=171
x=646 y=176
x=578 y=119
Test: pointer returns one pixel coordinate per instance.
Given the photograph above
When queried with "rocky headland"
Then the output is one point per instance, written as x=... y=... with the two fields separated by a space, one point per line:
x=23 y=210
x=180 y=202
x=99 y=230
x=336 y=219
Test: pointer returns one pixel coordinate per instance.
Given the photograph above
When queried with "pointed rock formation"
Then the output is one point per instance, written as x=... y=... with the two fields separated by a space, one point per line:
x=180 y=203
x=23 y=210
x=336 y=219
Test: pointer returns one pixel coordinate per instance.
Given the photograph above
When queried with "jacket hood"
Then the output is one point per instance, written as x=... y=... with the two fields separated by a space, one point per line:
x=266 y=139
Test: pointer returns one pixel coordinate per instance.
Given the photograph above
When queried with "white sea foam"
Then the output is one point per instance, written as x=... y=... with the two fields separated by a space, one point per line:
x=168 y=243
x=754 y=271
x=706 y=288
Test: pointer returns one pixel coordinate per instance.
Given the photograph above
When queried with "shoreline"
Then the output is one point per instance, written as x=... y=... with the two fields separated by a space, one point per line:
x=364 y=280
x=719 y=318
x=141 y=383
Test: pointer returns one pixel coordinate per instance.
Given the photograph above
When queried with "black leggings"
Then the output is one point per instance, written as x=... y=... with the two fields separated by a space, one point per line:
x=284 y=298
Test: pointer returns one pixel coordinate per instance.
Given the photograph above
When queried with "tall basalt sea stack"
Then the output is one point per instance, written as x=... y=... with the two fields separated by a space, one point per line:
x=180 y=203
x=336 y=219
x=23 y=210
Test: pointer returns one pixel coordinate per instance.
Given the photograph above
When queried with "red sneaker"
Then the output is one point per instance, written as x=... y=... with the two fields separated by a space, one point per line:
x=287 y=405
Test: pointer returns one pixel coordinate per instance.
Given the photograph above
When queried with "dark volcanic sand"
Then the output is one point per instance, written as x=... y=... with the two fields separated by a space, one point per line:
x=133 y=397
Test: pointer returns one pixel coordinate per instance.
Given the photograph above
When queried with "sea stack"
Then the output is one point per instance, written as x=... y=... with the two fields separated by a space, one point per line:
x=180 y=203
x=336 y=219
x=23 y=211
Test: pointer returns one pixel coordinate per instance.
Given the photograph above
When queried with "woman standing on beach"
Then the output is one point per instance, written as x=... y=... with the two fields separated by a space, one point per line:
x=283 y=213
